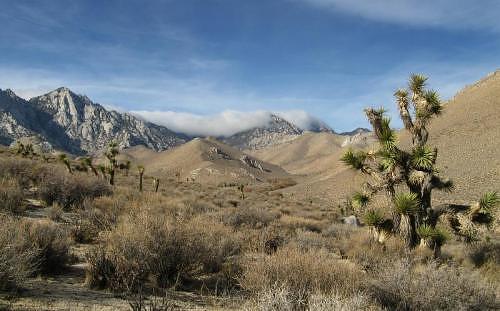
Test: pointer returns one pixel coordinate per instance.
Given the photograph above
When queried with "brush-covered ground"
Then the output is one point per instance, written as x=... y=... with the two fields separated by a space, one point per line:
x=70 y=241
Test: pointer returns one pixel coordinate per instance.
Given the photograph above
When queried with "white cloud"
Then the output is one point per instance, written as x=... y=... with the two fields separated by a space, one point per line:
x=225 y=123
x=222 y=124
x=302 y=119
x=447 y=13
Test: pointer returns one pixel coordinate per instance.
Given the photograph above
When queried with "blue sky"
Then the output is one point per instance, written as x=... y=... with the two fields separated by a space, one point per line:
x=187 y=62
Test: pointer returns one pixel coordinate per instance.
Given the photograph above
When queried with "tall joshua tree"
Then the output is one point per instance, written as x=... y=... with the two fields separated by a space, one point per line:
x=111 y=154
x=140 y=169
x=391 y=166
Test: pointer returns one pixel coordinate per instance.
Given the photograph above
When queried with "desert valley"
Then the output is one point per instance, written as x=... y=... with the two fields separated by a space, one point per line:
x=278 y=155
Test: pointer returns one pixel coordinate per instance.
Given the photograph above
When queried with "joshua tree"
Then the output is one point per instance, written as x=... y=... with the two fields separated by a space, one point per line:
x=156 y=183
x=391 y=167
x=140 y=169
x=63 y=158
x=241 y=188
x=111 y=154
x=87 y=162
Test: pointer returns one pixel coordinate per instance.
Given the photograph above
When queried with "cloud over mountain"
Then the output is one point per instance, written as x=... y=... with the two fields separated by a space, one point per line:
x=225 y=123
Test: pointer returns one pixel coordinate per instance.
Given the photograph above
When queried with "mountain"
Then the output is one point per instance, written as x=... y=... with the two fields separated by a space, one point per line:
x=206 y=160
x=359 y=130
x=75 y=124
x=312 y=153
x=276 y=131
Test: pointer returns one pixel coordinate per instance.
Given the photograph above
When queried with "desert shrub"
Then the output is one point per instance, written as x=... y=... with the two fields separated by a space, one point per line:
x=49 y=242
x=307 y=240
x=55 y=212
x=404 y=286
x=340 y=231
x=293 y=223
x=70 y=190
x=147 y=245
x=301 y=273
x=25 y=172
x=485 y=252
x=96 y=215
x=16 y=263
x=11 y=197
x=253 y=217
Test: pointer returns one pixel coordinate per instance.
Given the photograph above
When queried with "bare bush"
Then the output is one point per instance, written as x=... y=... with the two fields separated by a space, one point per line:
x=70 y=190
x=16 y=262
x=301 y=273
x=146 y=245
x=253 y=217
x=404 y=286
x=49 y=242
x=11 y=197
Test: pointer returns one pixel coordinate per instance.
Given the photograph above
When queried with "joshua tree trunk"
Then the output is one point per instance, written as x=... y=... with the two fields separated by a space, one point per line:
x=156 y=183
x=112 y=176
x=407 y=230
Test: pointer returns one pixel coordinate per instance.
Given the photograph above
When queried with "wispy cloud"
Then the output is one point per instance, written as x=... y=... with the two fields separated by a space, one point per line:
x=481 y=14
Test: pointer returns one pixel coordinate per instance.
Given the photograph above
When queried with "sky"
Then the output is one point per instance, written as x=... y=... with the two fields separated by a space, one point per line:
x=218 y=66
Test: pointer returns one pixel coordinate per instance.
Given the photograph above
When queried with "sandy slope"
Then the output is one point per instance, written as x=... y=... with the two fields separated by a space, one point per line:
x=204 y=160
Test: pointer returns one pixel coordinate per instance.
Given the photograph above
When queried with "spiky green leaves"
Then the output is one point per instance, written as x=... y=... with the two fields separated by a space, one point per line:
x=354 y=159
x=434 y=106
x=387 y=136
x=360 y=199
x=374 y=218
x=423 y=158
x=406 y=203
x=431 y=234
x=489 y=201
x=417 y=83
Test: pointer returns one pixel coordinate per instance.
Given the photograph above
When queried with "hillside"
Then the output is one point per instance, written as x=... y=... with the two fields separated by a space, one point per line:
x=468 y=139
x=467 y=136
x=206 y=160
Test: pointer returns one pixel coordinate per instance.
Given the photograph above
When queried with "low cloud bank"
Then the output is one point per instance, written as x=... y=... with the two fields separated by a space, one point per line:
x=225 y=123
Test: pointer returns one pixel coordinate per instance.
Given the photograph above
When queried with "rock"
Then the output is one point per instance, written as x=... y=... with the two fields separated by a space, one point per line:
x=351 y=221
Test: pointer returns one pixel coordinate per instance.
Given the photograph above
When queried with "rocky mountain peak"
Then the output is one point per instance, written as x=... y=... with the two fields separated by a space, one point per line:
x=75 y=124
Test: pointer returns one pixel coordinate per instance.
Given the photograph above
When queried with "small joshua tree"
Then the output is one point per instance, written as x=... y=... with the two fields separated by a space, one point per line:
x=140 y=169
x=156 y=183
x=87 y=162
x=111 y=154
x=391 y=167
x=63 y=158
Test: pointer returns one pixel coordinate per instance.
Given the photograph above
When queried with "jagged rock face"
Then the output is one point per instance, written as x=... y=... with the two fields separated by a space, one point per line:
x=95 y=127
x=17 y=118
x=277 y=131
x=75 y=124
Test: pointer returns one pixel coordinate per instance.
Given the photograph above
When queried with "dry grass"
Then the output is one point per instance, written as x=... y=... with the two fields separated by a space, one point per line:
x=301 y=274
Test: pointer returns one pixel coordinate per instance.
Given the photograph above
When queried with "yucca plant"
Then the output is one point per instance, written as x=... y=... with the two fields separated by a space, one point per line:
x=360 y=199
x=391 y=167
x=433 y=238
x=380 y=225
